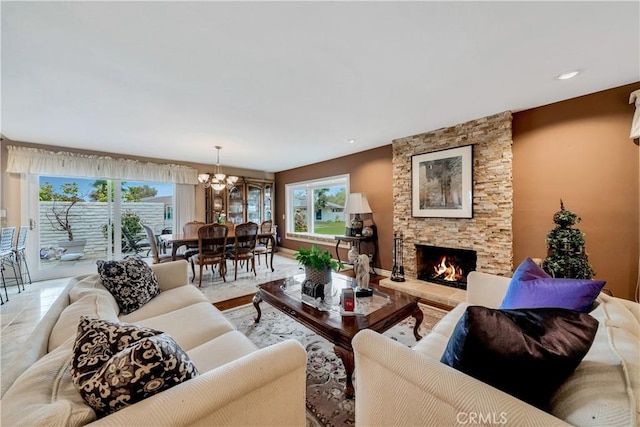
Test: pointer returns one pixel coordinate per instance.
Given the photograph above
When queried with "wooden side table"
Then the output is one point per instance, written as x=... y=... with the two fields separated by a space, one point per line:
x=357 y=240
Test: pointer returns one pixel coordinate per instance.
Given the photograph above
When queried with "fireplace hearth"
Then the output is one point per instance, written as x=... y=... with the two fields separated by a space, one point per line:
x=445 y=266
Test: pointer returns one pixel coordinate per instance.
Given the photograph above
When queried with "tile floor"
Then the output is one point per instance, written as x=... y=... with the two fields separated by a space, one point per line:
x=19 y=316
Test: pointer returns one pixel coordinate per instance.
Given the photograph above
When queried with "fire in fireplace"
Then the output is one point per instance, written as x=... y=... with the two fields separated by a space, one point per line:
x=445 y=266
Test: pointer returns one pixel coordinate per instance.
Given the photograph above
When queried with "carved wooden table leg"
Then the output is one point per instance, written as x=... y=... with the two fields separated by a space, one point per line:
x=418 y=315
x=256 y=303
x=347 y=359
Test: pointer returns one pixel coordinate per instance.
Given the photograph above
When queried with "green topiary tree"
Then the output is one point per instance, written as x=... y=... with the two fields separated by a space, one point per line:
x=566 y=256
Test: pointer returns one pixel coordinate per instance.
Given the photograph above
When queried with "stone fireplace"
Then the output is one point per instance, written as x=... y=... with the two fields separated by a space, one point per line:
x=489 y=232
x=445 y=266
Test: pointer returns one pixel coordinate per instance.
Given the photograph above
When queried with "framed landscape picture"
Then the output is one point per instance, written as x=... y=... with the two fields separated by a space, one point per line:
x=442 y=183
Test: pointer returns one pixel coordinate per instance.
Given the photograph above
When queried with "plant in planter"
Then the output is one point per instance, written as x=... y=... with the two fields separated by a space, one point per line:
x=317 y=264
x=60 y=213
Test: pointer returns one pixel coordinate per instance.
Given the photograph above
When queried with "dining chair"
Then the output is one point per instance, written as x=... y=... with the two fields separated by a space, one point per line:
x=189 y=228
x=7 y=258
x=135 y=243
x=263 y=246
x=19 y=252
x=212 y=247
x=244 y=246
x=157 y=257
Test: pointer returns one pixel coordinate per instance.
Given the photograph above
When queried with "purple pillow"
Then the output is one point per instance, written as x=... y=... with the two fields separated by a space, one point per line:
x=528 y=270
x=532 y=287
x=572 y=294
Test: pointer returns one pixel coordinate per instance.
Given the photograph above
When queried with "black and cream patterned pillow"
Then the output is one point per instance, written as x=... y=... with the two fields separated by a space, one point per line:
x=98 y=340
x=117 y=364
x=131 y=282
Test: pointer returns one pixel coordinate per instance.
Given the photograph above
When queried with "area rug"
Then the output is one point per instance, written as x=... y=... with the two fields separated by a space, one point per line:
x=327 y=404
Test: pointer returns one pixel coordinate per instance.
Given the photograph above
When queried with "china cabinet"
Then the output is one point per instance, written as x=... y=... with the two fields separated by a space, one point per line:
x=249 y=200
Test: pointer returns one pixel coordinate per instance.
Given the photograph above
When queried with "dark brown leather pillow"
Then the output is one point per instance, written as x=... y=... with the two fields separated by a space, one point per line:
x=527 y=353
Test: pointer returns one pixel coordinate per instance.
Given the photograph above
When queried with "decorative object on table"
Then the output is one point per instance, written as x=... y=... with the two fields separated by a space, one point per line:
x=218 y=181
x=442 y=183
x=318 y=265
x=367 y=231
x=348 y=299
x=357 y=204
x=353 y=253
x=361 y=268
x=397 y=273
x=566 y=255
x=314 y=290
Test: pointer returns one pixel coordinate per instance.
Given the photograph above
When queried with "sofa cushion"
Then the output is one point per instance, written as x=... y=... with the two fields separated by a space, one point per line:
x=526 y=353
x=90 y=285
x=605 y=387
x=140 y=362
x=208 y=356
x=187 y=333
x=93 y=305
x=434 y=344
x=167 y=301
x=131 y=281
x=44 y=395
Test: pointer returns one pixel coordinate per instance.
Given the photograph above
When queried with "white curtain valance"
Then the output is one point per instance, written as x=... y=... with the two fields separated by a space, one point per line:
x=43 y=162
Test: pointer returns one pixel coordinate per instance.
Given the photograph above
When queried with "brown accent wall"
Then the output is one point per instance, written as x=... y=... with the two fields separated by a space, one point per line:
x=369 y=172
x=579 y=151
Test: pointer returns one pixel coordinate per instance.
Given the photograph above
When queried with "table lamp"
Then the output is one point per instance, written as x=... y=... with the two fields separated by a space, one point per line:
x=357 y=204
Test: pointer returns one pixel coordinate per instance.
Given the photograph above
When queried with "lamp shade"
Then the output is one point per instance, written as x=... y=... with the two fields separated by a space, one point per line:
x=357 y=203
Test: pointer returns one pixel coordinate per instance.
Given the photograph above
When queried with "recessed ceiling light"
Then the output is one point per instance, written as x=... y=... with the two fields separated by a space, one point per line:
x=351 y=141
x=568 y=75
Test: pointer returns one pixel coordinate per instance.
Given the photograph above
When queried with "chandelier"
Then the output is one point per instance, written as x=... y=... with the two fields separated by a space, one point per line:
x=218 y=181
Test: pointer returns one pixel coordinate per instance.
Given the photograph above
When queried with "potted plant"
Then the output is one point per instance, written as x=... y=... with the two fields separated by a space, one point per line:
x=317 y=264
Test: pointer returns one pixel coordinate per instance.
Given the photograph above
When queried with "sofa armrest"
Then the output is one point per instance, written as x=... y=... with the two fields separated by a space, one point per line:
x=37 y=344
x=266 y=387
x=487 y=290
x=172 y=274
x=401 y=387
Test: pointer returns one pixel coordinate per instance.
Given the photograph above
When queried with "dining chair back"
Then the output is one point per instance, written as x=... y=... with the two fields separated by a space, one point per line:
x=244 y=246
x=155 y=253
x=263 y=246
x=212 y=245
x=191 y=228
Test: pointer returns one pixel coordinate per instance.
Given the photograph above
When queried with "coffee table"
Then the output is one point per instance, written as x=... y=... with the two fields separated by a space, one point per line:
x=339 y=329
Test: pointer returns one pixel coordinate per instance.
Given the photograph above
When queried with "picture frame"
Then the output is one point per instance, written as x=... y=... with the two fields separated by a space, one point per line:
x=218 y=204
x=442 y=183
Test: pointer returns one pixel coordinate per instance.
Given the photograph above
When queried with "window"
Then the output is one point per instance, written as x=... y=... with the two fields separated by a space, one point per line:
x=316 y=208
x=75 y=215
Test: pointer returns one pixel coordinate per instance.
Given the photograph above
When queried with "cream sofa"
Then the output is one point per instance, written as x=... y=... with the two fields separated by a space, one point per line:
x=238 y=384
x=401 y=386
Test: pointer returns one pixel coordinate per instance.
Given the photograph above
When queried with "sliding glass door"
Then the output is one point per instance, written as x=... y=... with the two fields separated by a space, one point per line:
x=77 y=221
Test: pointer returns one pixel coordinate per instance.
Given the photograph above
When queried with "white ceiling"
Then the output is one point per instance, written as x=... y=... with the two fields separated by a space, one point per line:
x=285 y=84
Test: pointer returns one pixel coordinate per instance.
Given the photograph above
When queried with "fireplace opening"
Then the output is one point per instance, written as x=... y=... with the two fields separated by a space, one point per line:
x=445 y=266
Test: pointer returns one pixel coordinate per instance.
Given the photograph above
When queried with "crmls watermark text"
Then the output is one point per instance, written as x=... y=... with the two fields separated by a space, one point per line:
x=470 y=418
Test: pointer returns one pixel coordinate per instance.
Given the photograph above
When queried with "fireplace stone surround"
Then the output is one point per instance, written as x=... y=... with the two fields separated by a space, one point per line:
x=489 y=231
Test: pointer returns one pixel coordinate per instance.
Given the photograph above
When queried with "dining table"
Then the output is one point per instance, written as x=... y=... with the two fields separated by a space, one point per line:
x=191 y=239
